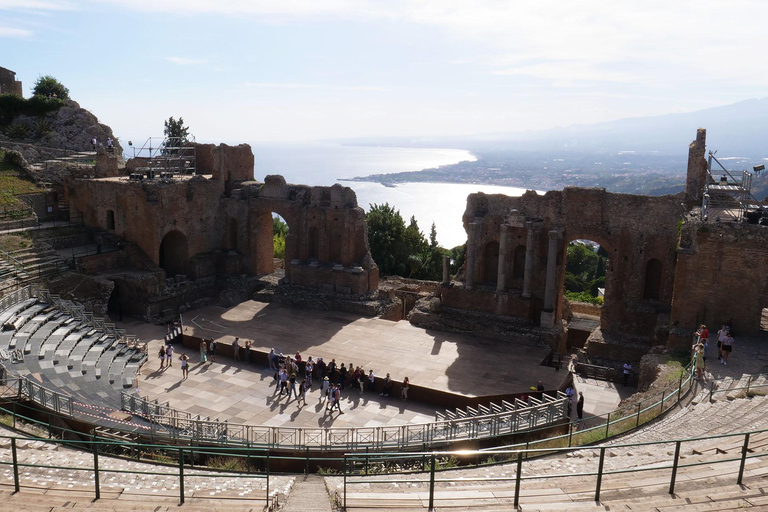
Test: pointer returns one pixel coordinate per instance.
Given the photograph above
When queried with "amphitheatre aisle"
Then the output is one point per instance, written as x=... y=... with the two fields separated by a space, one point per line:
x=240 y=392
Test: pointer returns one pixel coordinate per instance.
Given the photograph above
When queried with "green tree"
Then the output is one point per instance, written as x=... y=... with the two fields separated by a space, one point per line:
x=49 y=86
x=176 y=134
x=386 y=237
x=279 y=234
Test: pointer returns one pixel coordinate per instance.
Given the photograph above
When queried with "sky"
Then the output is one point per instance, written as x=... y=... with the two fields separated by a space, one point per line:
x=297 y=70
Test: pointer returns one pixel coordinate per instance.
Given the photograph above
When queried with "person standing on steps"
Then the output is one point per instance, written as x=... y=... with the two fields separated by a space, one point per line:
x=627 y=372
x=580 y=408
x=721 y=334
x=169 y=354
x=727 y=347
x=698 y=354
x=302 y=392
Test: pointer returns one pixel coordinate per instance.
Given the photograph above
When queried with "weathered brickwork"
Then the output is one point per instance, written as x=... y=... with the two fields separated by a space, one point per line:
x=9 y=84
x=186 y=225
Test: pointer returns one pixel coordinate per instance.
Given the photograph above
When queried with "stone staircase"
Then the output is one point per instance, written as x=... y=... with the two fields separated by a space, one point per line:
x=69 y=356
x=638 y=477
x=24 y=266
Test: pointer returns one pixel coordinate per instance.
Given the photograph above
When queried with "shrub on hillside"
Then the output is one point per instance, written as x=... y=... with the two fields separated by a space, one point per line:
x=12 y=105
x=48 y=86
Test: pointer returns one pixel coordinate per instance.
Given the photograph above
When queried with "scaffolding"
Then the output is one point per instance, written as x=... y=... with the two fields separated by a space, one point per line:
x=164 y=158
x=727 y=196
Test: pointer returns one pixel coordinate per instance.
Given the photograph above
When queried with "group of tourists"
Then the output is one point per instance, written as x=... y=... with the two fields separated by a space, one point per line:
x=166 y=360
x=701 y=345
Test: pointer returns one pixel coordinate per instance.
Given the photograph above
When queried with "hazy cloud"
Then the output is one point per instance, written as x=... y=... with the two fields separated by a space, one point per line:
x=183 y=61
x=37 y=5
x=295 y=85
x=14 y=32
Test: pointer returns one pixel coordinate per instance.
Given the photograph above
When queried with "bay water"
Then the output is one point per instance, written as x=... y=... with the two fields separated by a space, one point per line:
x=324 y=164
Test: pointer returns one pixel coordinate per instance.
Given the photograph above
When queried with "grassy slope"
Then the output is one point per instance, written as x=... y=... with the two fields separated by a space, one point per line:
x=13 y=182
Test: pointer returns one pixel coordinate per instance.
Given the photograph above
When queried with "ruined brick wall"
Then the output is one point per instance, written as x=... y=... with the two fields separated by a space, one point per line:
x=9 y=84
x=697 y=169
x=722 y=274
x=634 y=229
x=326 y=246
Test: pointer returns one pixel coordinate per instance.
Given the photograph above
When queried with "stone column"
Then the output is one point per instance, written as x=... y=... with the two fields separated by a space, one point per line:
x=446 y=270
x=548 y=315
x=501 y=276
x=529 y=246
x=469 y=275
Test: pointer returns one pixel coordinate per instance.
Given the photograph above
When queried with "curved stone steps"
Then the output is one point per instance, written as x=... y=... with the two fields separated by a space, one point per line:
x=15 y=309
x=76 y=357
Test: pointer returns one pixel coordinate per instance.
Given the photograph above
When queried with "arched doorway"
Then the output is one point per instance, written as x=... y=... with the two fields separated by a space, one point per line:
x=280 y=231
x=585 y=267
x=173 y=253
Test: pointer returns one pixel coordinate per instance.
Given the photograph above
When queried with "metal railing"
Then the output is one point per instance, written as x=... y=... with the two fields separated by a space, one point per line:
x=179 y=425
x=431 y=461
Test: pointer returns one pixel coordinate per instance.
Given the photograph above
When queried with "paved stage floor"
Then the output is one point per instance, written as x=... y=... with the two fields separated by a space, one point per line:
x=239 y=392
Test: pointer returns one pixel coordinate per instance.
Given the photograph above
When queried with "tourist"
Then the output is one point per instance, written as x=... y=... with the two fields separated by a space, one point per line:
x=342 y=375
x=212 y=350
x=236 y=348
x=371 y=382
x=404 y=389
x=297 y=357
x=540 y=386
x=302 y=392
x=203 y=351
x=184 y=366
x=721 y=334
x=703 y=333
x=94 y=143
x=627 y=371
x=322 y=368
x=331 y=397
x=324 y=388
x=387 y=386
x=110 y=144
x=332 y=371
x=272 y=359
x=727 y=347
x=292 y=386
x=361 y=379
x=248 y=351
x=699 y=359
x=282 y=377
x=580 y=407
x=169 y=354
x=162 y=356
x=308 y=369
x=337 y=400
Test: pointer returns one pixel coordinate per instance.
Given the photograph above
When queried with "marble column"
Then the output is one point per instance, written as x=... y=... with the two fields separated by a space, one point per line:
x=446 y=270
x=501 y=275
x=529 y=246
x=469 y=275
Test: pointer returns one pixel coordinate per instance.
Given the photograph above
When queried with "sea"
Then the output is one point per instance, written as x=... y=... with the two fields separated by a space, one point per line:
x=326 y=164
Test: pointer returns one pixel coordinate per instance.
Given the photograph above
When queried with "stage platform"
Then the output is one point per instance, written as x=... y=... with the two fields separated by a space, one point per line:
x=236 y=391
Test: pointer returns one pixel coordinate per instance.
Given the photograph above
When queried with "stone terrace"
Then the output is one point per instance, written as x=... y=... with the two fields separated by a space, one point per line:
x=239 y=392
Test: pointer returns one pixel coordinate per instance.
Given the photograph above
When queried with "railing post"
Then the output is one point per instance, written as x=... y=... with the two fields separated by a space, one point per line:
x=674 y=468
x=661 y=404
x=744 y=450
x=15 y=465
x=96 y=470
x=748 y=381
x=518 y=477
x=267 y=468
x=637 y=423
x=607 y=424
x=181 y=476
x=570 y=435
x=711 y=390
x=344 y=505
x=680 y=387
x=432 y=483
x=600 y=475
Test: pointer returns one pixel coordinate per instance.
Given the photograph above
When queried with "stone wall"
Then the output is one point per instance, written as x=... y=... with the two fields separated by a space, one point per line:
x=221 y=222
x=722 y=275
x=9 y=84
x=508 y=234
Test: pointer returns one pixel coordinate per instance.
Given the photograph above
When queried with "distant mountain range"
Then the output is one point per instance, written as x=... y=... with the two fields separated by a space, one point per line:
x=739 y=129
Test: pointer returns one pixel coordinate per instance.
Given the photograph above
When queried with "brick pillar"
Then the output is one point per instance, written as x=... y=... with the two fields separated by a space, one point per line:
x=548 y=315
x=469 y=276
x=697 y=168
x=446 y=270
x=529 y=246
x=501 y=277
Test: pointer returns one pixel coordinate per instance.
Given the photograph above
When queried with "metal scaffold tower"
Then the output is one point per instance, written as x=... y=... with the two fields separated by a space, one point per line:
x=164 y=158
x=728 y=196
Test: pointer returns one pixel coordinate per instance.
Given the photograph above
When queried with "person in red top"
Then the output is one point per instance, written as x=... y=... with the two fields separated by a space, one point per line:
x=703 y=334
